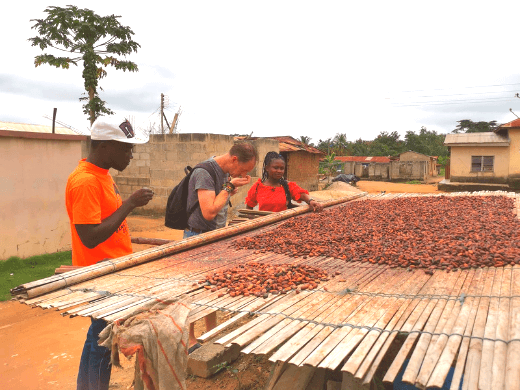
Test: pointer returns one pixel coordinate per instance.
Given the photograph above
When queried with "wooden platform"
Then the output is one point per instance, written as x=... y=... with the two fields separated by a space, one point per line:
x=469 y=319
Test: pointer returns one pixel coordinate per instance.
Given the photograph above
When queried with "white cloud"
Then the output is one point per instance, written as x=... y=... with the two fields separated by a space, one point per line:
x=291 y=67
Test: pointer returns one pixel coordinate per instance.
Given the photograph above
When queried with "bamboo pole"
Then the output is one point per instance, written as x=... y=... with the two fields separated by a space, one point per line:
x=445 y=326
x=500 y=352
x=512 y=379
x=488 y=346
x=471 y=372
x=439 y=287
x=43 y=286
x=433 y=325
x=453 y=342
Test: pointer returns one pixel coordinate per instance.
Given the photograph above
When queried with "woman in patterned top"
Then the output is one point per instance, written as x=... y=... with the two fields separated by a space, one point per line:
x=272 y=192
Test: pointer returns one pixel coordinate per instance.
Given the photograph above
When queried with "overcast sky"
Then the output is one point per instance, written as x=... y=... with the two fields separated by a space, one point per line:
x=284 y=67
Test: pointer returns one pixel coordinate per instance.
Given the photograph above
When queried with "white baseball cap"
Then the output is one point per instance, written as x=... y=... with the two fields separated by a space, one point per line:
x=114 y=128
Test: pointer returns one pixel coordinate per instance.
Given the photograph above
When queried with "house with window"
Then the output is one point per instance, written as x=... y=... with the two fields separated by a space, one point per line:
x=490 y=157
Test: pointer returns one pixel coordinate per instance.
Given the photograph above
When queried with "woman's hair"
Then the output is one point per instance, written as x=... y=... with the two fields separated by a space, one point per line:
x=270 y=156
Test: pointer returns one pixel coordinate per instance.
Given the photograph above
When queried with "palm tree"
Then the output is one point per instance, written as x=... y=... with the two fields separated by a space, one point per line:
x=340 y=143
x=304 y=139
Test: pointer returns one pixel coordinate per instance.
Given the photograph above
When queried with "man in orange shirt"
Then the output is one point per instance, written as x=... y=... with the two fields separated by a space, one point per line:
x=98 y=224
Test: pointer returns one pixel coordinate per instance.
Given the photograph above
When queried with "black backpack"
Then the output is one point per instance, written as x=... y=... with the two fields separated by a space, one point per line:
x=177 y=212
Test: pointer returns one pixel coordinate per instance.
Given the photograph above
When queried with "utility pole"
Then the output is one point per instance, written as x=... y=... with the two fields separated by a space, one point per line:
x=162 y=113
x=54 y=120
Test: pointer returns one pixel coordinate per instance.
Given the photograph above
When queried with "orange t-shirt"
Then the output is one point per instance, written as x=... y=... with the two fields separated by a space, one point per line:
x=91 y=196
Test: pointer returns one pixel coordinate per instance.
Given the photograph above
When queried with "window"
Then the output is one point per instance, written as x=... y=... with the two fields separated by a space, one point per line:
x=482 y=163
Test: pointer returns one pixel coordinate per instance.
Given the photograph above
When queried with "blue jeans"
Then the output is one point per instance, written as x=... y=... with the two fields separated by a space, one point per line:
x=189 y=233
x=94 y=367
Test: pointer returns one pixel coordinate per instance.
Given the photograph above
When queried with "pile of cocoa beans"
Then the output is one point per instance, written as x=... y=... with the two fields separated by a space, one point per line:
x=260 y=279
x=430 y=233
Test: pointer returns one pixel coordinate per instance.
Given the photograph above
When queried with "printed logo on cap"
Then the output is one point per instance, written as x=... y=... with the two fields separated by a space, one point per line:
x=127 y=129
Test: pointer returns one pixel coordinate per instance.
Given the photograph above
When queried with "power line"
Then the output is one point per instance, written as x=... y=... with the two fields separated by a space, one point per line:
x=447 y=89
x=464 y=94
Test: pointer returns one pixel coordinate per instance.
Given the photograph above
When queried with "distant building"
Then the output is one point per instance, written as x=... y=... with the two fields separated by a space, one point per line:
x=408 y=166
x=431 y=161
x=490 y=157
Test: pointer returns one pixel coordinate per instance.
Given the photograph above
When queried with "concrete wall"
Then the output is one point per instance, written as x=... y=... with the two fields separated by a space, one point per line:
x=395 y=170
x=35 y=168
x=514 y=154
x=409 y=170
x=414 y=156
x=460 y=164
x=159 y=164
x=302 y=168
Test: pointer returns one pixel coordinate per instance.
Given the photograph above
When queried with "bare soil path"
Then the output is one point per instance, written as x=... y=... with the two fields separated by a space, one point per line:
x=40 y=349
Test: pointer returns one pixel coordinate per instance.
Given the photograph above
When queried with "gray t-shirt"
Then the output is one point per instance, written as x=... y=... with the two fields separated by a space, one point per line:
x=201 y=180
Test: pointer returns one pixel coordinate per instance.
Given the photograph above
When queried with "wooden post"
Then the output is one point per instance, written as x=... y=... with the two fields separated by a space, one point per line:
x=162 y=113
x=54 y=120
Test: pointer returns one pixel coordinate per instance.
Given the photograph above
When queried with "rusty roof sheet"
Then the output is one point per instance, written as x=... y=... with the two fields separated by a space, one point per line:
x=364 y=159
x=479 y=139
x=12 y=126
x=287 y=144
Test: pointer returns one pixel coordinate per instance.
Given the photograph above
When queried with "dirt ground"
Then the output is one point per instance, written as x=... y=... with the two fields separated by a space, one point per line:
x=378 y=186
x=40 y=349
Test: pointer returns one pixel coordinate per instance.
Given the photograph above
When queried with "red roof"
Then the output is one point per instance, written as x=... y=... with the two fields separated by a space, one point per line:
x=515 y=123
x=364 y=159
x=288 y=144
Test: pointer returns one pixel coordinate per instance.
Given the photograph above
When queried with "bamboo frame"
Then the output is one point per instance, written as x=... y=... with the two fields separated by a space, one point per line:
x=469 y=318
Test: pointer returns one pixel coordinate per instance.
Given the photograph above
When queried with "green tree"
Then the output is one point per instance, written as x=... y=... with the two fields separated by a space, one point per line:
x=426 y=142
x=340 y=144
x=386 y=144
x=468 y=126
x=325 y=145
x=358 y=148
x=87 y=37
x=304 y=140
x=330 y=165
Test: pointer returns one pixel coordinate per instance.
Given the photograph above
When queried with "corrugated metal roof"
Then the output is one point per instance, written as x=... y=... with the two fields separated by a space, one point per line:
x=287 y=144
x=364 y=159
x=469 y=139
x=11 y=126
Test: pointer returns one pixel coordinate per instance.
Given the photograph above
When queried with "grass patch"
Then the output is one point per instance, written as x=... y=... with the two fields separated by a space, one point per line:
x=413 y=182
x=15 y=271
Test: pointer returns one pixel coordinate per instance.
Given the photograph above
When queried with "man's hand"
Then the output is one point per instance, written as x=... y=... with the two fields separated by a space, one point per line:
x=141 y=197
x=241 y=181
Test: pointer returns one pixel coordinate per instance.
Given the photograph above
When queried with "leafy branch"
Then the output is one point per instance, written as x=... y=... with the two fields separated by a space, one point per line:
x=97 y=40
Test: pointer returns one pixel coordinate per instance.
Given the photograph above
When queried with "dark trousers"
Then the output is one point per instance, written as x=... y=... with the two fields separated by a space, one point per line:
x=94 y=367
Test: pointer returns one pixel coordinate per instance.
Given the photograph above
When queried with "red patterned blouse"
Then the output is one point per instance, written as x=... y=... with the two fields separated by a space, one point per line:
x=272 y=198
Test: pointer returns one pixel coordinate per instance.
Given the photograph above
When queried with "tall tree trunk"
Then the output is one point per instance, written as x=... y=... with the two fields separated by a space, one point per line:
x=91 y=97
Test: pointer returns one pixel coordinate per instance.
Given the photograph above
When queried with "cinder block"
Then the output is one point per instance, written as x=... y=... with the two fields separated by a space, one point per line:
x=204 y=361
x=124 y=189
x=171 y=156
x=133 y=181
x=199 y=137
x=135 y=156
x=144 y=181
x=144 y=156
x=157 y=138
x=120 y=180
x=157 y=173
x=144 y=171
x=140 y=163
x=184 y=137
